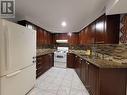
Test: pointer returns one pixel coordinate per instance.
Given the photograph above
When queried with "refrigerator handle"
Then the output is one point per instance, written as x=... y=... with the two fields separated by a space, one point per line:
x=13 y=74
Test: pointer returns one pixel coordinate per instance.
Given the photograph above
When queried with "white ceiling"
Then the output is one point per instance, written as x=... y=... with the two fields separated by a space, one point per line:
x=116 y=7
x=49 y=14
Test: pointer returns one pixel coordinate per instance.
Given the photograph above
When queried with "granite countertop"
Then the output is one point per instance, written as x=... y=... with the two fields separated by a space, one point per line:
x=44 y=51
x=101 y=63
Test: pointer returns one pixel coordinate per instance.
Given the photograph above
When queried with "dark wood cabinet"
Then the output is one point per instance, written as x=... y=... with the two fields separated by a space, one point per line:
x=89 y=77
x=112 y=81
x=112 y=29
x=85 y=73
x=44 y=62
x=81 y=37
x=73 y=38
x=40 y=36
x=103 y=81
x=70 y=60
x=94 y=81
x=100 y=27
x=77 y=65
x=87 y=35
x=104 y=30
x=107 y=29
x=100 y=81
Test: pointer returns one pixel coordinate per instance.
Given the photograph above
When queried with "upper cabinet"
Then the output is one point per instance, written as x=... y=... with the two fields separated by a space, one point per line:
x=73 y=38
x=87 y=35
x=44 y=37
x=100 y=33
x=40 y=36
x=112 y=29
x=104 y=30
x=107 y=29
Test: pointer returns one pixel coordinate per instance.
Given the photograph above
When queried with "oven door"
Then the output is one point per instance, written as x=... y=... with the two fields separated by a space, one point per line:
x=60 y=57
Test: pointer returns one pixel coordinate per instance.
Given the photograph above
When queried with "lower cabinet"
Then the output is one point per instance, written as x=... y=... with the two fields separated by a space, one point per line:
x=112 y=81
x=44 y=62
x=77 y=65
x=93 y=76
x=70 y=60
x=101 y=81
x=85 y=73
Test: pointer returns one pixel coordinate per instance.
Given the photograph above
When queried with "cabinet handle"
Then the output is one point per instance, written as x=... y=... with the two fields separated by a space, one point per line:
x=13 y=74
x=87 y=63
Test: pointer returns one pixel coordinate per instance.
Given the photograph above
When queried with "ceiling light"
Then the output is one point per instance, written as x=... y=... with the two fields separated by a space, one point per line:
x=63 y=23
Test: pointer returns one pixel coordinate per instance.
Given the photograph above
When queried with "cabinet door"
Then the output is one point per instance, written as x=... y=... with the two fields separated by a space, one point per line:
x=78 y=65
x=70 y=60
x=45 y=38
x=112 y=29
x=93 y=79
x=81 y=38
x=100 y=30
x=85 y=73
x=113 y=81
x=40 y=66
x=51 y=60
x=40 y=36
x=51 y=39
x=90 y=34
x=73 y=39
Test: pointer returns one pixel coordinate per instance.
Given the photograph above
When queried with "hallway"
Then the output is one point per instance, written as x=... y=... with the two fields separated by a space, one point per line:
x=59 y=81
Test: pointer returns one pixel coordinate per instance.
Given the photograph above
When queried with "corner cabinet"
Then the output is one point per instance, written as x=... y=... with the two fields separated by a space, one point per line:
x=44 y=63
x=103 y=81
x=100 y=81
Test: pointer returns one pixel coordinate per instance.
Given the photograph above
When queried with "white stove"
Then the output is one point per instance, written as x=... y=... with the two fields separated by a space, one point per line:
x=60 y=57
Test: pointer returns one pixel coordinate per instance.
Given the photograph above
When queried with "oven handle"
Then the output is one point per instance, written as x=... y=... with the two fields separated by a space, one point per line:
x=60 y=57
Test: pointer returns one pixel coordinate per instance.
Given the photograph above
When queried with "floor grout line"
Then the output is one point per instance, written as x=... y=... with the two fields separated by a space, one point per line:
x=65 y=77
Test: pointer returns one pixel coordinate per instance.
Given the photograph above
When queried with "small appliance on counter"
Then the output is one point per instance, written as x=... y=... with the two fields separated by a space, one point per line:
x=60 y=57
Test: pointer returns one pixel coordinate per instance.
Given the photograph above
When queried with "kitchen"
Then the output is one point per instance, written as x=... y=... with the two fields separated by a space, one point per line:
x=51 y=49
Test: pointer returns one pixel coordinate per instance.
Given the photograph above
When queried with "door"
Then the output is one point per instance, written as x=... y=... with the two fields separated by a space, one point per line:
x=19 y=47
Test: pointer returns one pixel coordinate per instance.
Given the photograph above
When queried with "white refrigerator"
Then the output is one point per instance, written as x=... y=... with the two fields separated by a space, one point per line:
x=17 y=58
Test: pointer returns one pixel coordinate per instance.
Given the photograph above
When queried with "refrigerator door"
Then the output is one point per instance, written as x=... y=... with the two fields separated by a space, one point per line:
x=18 y=83
x=18 y=47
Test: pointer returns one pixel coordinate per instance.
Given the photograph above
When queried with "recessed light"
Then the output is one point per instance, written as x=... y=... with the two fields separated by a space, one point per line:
x=64 y=24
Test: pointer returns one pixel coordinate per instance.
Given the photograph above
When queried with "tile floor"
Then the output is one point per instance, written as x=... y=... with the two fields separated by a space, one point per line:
x=59 y=81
